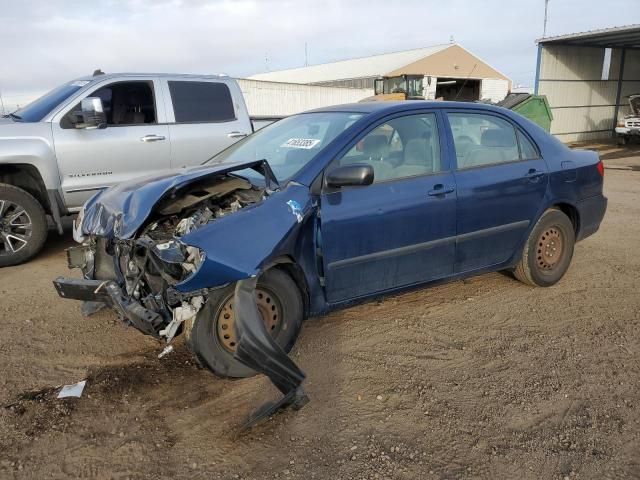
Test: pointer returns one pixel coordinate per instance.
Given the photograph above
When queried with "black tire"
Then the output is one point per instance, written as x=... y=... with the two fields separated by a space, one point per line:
x=206 y=344
x=622 y=140
x=13 y=251
x=553 y=236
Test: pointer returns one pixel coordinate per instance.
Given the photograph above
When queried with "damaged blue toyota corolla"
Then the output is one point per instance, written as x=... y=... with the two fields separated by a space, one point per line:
x=326 y=208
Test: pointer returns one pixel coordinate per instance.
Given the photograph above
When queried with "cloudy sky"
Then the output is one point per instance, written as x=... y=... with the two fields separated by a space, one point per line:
x=45 y=43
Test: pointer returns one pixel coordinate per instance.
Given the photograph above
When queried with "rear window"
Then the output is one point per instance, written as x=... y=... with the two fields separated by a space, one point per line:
x=201 y=102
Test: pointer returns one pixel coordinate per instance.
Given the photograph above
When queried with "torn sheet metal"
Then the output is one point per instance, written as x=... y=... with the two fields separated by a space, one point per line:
x=259 y=351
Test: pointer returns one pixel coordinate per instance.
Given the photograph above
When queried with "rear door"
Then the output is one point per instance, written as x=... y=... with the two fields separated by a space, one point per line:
x=501 y=182
x=135 y=142
x=205 y=117
x=401 y=229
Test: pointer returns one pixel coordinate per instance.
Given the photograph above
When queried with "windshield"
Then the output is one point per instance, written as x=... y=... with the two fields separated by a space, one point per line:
x=38 y=109
x=290 y=144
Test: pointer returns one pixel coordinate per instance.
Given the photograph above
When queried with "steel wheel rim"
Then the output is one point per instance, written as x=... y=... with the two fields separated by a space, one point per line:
x=270 y=310
x=16 y=228
x=550 y=248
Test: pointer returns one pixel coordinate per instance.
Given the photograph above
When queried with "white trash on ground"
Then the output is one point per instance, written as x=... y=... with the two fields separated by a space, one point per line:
x=74 y=390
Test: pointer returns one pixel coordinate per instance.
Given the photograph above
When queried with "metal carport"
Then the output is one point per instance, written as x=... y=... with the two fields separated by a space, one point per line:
x=585 y=96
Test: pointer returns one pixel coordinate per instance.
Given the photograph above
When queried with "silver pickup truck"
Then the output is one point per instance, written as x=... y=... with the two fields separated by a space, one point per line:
x=97 y=131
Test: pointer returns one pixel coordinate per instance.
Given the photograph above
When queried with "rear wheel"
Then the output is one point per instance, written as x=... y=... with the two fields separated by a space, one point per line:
x=213 y=337
x=23 y=226
x=548 y=250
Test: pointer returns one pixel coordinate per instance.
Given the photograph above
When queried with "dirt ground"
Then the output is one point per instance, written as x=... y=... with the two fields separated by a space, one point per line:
x=482 y=378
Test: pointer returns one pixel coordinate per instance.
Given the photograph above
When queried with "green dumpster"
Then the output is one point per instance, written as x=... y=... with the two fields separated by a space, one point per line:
x=534 y=107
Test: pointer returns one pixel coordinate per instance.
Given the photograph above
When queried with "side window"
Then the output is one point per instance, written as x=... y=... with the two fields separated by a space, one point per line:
x=403 y=147
x=124 y=103
x=483 y=140
x=201 y=102
x=527 y=150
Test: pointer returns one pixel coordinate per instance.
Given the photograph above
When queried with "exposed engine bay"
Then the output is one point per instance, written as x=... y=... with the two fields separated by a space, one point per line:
x=148 y=265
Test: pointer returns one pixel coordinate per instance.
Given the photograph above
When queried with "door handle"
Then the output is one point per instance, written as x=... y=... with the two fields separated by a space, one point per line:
x=152 y=138
x=440 y=189
x=533 y=174
x=236 y=135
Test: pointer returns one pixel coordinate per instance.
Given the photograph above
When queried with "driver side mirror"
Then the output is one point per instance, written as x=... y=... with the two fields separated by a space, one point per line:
x=92 y=113
x=357 y=174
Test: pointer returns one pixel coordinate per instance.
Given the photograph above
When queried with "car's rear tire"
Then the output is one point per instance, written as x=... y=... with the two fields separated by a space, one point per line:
x=23 y=226
x=548 y=251
x=212 y=337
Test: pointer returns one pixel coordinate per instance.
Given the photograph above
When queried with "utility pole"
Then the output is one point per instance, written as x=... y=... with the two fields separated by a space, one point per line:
x=266 y=61
x=306 y=55
x=546 y=9
x=2 y=104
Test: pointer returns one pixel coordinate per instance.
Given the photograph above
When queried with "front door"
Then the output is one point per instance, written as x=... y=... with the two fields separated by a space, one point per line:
x=401 y=229
x=135 y=143
x=501 y=181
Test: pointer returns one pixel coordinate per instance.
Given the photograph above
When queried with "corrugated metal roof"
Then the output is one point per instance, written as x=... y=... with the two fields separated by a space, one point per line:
x=373 y=66
x=624 y=36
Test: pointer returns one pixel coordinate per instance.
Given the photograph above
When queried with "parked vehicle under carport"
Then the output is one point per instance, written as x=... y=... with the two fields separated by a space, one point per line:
x=328 y=208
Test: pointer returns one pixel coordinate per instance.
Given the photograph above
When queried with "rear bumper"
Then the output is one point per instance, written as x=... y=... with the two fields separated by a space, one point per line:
x=591 y=212
x=109 y=293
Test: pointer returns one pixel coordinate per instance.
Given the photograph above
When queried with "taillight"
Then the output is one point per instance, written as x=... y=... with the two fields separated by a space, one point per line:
x=600 y=167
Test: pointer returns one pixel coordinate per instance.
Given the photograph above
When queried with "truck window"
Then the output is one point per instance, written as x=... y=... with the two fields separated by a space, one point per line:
x=201 y=102
x=124 y=103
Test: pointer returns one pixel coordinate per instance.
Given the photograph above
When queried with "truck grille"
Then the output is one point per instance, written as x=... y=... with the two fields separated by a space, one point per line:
x=633 y=123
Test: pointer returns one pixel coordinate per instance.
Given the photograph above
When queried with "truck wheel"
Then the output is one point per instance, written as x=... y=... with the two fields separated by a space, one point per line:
x=622 y=140
x=213 y=337
x=23 y=226
x=548 y=250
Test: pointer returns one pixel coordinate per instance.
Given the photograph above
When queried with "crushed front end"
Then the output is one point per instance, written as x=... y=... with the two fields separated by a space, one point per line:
x=137 y=276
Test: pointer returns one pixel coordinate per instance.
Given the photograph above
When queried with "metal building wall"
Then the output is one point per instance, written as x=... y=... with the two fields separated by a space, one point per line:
x=494 y=89
x=277 y=98
x=584 y=105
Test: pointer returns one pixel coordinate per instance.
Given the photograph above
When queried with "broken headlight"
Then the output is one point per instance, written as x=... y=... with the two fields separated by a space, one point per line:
x=182 y=260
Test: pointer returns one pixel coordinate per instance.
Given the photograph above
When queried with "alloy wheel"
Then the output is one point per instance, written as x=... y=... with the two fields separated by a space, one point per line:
x=16 y=228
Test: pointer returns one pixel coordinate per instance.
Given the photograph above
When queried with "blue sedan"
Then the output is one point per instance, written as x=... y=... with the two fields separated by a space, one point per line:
x=327 y=208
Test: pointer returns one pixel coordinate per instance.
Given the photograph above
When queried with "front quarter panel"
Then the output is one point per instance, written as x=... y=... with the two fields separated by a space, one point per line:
x=240 y=245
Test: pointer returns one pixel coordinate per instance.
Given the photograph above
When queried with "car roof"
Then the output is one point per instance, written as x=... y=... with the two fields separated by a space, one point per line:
x=403 y=106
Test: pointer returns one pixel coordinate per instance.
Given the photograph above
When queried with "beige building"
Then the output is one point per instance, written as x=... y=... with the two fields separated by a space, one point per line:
x=450 y=72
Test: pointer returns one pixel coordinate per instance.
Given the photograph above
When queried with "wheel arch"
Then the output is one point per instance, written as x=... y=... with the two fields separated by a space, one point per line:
x=289 y=266
x=28 y=178
x=570 y=211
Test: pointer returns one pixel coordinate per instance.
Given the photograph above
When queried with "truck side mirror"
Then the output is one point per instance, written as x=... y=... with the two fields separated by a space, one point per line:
x=93 y=115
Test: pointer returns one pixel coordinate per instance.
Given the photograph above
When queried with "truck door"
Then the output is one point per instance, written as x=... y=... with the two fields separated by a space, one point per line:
x=205 y=116
x=135 y=142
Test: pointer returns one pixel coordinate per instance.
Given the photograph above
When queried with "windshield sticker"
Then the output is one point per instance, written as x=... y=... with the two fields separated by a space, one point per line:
x=79 y=83
x=305 y=143
x=296 y=209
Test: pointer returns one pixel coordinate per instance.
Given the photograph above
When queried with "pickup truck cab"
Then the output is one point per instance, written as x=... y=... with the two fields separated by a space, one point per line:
x=101 y=130
x=629 y=126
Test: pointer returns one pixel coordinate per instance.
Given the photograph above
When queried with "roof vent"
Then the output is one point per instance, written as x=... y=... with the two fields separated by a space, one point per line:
x=97 y=72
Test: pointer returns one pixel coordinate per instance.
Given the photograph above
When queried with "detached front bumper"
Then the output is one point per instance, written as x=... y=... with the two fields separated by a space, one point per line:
x=109 y=293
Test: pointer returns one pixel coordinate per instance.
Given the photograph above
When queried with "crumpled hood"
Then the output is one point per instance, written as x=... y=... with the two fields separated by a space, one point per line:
x=121 y=210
